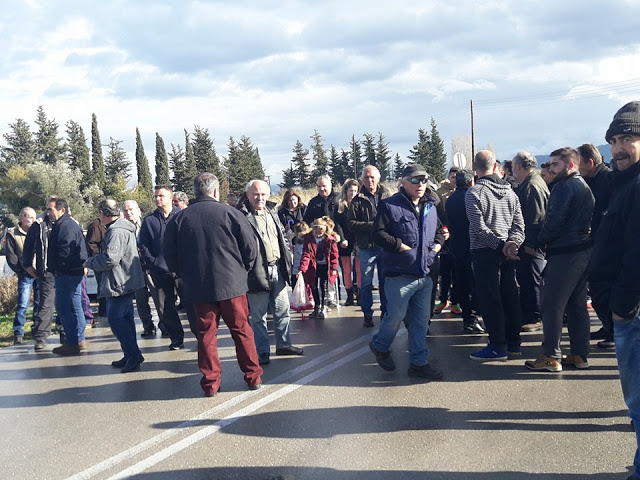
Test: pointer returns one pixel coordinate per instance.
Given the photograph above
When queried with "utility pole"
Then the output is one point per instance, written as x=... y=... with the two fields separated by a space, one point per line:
x=473 y=140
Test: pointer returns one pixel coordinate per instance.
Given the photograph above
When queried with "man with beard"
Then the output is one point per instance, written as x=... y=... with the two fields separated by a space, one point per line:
x=565 y=238
x=616 y=257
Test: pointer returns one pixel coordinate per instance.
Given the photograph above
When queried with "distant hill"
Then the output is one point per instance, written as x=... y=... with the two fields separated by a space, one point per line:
x=605 y=151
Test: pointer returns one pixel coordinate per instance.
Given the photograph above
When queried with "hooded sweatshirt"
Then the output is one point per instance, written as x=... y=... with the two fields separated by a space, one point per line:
x=494 y=212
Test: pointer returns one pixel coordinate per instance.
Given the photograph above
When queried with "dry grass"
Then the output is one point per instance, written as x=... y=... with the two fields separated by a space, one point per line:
x=8 y=294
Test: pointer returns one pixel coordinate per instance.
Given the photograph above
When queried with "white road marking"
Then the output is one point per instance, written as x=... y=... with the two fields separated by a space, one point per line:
x=194 y=422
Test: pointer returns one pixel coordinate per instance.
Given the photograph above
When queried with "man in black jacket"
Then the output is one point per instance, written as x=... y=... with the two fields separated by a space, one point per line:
x=166 y=283
x=35 y=250
x=616 y=257
x=565 y=238
x=211 y=246
x=361 y=215
x=597 y=175
x=65 y=259
x=533 y=194
x=460 y=248
x=270 y=275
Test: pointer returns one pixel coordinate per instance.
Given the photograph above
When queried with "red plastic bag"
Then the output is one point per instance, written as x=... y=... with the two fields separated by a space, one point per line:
x=301 y=298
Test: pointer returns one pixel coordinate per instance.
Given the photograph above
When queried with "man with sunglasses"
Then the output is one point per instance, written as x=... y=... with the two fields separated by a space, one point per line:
x=408 y=231
x=496 y=231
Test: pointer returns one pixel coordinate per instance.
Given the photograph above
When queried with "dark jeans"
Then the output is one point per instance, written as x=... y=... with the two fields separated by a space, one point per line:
x=144 y=309
x=69 y=307
x=166 y=287
x=122 y=323
x=463 y=278
x=447 y=278
x=235 y=313
x=529 y=274
x=102 y=305
x=565 y=288
x=497 y=295
x=44 y=298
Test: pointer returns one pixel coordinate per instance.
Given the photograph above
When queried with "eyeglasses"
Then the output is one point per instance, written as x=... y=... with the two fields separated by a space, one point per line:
x=416 y=181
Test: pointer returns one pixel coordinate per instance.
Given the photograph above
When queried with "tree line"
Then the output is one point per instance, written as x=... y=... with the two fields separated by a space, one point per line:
x=307 y=164
x=37 y=164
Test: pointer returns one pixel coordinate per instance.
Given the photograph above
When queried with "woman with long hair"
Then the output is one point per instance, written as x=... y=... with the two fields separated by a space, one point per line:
x=291 y=209
x=345 y=246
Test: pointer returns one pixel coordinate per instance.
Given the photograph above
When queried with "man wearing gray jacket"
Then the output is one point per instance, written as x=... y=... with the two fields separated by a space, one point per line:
x=121 y=276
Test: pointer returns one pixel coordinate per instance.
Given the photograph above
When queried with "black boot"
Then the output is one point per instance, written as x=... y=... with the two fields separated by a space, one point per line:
x=315 y=312
x=349 y=301
x=356 y=296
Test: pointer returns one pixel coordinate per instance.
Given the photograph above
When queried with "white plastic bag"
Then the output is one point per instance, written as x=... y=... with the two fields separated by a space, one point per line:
x=301 y=299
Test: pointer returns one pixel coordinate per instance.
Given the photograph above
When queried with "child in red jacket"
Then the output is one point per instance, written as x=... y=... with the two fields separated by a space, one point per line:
x=319 y=260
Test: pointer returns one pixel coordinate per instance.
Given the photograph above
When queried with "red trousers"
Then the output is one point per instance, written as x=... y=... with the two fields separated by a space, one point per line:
x=235 y=313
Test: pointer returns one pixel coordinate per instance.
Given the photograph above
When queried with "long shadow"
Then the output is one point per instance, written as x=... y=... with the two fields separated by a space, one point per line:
x=322 y=423
x=326 y=473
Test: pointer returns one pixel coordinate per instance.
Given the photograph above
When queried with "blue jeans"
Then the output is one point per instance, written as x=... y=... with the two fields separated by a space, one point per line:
x=120 y=315
x=626 y=334
x=259 y=303
x=25 y=282
x=69 y=307
x=369 y=258
x=409 y=299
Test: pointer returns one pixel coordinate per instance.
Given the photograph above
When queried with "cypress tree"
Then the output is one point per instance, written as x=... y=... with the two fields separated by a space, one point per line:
x=356 y=157
x=116 y=164
x=142 y=167
x=96 y=154
x=251 y=158
x=162 y=162
x=336 y=168
x=398 y=166
x=236 y=169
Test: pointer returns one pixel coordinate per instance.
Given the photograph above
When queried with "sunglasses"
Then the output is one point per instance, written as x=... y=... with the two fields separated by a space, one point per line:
x=416 y=181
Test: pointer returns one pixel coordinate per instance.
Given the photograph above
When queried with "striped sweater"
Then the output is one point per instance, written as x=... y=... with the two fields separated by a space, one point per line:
x=494 y=214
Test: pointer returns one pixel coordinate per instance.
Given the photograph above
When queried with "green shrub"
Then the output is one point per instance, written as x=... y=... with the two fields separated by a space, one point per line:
x=8 y=294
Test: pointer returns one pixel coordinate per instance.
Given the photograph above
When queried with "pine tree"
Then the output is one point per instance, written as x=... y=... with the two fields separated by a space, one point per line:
x=336 y=168
x=20 y=149
x=383 y=157
x=205 y=152
x=398 y=166
x=251 y=158
x=78 y=152
x=49 y=148
x=437 y=165
x=97 y=162
x=420 y=151
x=116 y=163
x=176 y=162
x=190 y=170
x=318 y=156
x=300 y=167
x=236 y=169
x=345 y=161
x=162 y=162
x=369 y=151
x=356 y=157
x=145 y=185
x=288 y=178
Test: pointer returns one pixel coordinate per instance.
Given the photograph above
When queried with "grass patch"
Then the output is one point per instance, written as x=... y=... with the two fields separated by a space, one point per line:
x=6 y=329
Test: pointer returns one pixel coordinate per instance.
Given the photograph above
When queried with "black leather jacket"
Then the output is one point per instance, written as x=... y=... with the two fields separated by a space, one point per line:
x=567 y=222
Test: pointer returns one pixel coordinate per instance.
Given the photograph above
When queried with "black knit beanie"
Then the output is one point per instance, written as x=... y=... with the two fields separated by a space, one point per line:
x=626 y=120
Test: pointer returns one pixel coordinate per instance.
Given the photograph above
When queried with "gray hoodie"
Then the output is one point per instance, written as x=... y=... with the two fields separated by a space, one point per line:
x=118 y=258
x=494 y=214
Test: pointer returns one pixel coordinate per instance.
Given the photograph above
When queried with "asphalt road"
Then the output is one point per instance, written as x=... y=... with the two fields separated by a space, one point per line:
x=331 y=414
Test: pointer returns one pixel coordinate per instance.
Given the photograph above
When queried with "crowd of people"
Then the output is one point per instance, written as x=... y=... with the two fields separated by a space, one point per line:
x=507 y=248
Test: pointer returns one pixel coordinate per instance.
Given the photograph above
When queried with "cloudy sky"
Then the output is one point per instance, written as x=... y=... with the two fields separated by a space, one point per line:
x=542 y=74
